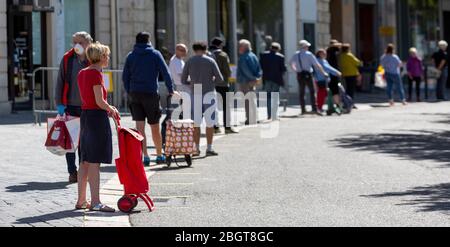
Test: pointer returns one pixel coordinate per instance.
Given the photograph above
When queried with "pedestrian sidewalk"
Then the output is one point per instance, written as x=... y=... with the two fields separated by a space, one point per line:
x=33 y=183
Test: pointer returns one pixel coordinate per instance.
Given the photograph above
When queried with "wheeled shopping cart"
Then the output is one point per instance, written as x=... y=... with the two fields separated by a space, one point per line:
x=178 y=137
x=131 y=171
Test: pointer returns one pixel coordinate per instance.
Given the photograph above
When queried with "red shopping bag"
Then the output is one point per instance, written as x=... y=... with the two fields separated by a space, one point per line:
x=59 y=141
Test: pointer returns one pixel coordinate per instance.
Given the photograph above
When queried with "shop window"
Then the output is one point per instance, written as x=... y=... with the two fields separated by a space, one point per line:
x=219 y=22
x=77 y=17
x=309 y=34
x=261 y=22
x=424 y=26
x=165 y=27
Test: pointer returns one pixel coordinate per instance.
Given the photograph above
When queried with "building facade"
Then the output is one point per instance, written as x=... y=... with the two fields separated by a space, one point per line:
x=369 y=25
x=5 y=105
x=36 y=34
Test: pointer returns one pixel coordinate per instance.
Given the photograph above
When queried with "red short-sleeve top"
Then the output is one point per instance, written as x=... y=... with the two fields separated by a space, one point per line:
x=87 y=79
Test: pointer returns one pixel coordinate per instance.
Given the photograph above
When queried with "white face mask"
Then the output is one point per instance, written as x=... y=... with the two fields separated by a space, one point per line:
x=79 y=49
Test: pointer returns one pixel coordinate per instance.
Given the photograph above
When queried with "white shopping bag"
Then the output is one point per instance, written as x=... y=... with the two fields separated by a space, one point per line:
x=380 y=81
x=73 y=125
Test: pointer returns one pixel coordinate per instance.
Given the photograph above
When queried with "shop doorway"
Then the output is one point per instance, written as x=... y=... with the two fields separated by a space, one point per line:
x=366 y=32
x=446 y=27
x=26 y=51
x=20 y=47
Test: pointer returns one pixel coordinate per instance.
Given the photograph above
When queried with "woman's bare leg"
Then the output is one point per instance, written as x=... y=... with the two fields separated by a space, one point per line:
x=337 y=100
x=140 y=126
x=82 y=183
x=197 y=136
x=157 y=138
x=94 y=183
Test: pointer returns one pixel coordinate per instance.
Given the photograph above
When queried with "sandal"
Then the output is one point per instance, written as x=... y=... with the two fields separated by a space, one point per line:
x=102 y=208
x=83 y=206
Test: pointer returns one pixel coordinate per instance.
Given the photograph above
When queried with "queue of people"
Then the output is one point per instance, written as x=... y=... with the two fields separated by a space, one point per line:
x=81 y=92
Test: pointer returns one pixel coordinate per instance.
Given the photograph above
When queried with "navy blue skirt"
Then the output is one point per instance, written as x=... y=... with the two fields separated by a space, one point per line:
x=96 y=137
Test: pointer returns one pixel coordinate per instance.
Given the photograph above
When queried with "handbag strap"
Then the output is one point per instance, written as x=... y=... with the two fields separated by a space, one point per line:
x=300 y=61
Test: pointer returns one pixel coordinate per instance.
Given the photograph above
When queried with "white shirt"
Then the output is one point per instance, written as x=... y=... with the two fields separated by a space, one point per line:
x=308 y=61
x=176 y=67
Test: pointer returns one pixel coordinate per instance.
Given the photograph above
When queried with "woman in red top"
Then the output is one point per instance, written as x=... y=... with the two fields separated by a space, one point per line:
x=96 y=136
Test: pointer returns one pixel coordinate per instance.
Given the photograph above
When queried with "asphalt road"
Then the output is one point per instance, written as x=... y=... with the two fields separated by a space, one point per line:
x=378 y=167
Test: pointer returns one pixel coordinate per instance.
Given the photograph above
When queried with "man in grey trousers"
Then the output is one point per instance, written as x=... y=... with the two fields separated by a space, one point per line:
x=203 y=71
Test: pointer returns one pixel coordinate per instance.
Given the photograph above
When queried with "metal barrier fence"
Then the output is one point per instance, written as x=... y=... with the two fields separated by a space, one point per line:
x=47 y=105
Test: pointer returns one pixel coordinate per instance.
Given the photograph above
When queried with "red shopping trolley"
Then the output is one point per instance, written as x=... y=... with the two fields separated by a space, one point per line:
x=131 y=170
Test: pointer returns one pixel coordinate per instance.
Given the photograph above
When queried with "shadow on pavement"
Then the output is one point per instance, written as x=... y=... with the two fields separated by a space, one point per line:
x=172 y=168
x=434 y=198
x=20 y=118
x=108 y=169
x=445 y=117
x=411 y=145
x=51 y=217
x=37 y=186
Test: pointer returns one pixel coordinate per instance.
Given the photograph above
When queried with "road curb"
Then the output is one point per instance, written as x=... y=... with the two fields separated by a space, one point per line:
x=110 y=193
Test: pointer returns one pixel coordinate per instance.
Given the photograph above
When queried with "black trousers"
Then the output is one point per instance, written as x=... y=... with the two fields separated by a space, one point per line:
x=303 y=83
x=350 y=83
x=222 y=91
x=417 y=80
x=74 y=111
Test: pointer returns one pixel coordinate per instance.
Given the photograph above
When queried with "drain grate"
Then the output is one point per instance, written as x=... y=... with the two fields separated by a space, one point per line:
x=161 y=200
x=170 y=202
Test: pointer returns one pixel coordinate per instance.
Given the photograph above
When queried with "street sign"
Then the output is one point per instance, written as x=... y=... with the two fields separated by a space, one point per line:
x=387 y=31
x=109 y=83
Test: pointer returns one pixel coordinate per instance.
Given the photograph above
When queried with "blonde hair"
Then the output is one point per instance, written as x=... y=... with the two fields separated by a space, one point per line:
x=96 y=51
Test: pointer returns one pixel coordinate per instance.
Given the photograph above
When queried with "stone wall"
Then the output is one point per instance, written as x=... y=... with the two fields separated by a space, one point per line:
x=323 y=23
x=322 y=19
x=183 y=31
x=103 y=22
x=5 y=106
x=135 y=16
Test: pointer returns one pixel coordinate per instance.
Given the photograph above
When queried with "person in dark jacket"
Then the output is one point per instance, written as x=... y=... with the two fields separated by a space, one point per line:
x=333 y=53
x=273 y=66
x=140 y=77
x=440 y=59
x=223 y=61
x=67 y=95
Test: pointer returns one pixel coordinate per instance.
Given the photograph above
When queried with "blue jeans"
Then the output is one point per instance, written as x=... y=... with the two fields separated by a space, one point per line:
x=74 y=111
x=272 y=87
x=394 y=80
x=441 y=85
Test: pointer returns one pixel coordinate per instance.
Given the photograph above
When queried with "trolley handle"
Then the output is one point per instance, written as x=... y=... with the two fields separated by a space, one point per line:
x=169 y=106
x=117 y=122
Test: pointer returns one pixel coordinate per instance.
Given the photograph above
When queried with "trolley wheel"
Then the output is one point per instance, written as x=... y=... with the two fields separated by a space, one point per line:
x=188 y=159
x=135 y=202
x=126 y=204
x=168 y=161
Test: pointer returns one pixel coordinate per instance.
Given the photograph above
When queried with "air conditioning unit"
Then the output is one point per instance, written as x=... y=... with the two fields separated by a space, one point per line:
x=42 y=6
